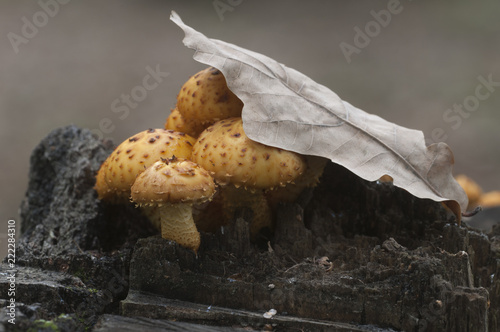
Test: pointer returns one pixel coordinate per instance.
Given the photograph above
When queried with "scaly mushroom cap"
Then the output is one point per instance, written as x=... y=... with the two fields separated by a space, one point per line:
x=119 y=171
x=173 y=181
x=176 y=122
x=205 y=99
x=231 y=157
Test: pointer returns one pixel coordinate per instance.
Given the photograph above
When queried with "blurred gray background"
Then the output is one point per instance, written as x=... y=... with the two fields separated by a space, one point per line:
x=83 y=55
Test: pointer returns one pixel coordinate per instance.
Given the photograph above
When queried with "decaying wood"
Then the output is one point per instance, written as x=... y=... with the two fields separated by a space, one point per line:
x=400 y=265
x=153 y=306
x=348 y=252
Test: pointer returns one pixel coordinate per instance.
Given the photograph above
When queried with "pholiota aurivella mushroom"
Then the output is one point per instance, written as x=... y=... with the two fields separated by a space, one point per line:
x=118 y=172
x=205 y=99
x=166 y=192
x=245 y=169
x=176 y=122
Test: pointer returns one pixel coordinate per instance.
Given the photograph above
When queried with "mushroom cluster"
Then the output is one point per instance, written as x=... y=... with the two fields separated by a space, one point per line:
x=201 y=167
x=476 y=195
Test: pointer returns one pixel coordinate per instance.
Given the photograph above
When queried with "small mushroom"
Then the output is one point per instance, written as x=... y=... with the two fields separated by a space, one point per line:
x=490 y=199
x=176 y=122
x=245 y=169
x=166 y=191
x=471 y=188
x=386 y=179
x=118 y=172
x=205 y=99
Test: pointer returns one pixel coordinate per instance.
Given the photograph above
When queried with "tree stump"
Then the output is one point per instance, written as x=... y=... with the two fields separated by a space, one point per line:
x=348 y=255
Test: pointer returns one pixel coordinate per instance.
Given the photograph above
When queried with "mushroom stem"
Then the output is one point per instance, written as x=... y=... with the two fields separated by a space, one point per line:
x=234 y=198
x=176 y=223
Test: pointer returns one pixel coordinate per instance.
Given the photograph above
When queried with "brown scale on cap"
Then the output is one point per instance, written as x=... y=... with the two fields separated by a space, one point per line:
x=238 y=163
x=132 y=156
x=166 y=191
x=205 y=99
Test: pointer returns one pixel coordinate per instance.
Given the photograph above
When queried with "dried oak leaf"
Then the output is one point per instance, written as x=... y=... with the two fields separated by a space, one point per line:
x=286 y=109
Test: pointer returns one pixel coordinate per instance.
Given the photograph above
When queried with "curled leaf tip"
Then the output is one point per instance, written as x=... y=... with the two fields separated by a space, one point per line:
x=473 y=212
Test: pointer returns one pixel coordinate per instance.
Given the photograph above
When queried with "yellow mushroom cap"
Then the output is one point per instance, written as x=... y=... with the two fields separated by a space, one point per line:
x=471 y=188
x=205 y=99
x=176 y=122
x=231 y=157
x=119 y=171
x=173 y=181
x=490 y=199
